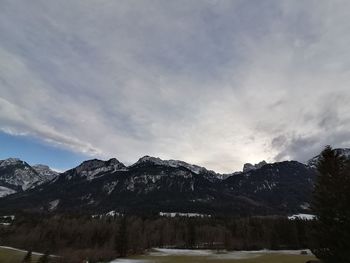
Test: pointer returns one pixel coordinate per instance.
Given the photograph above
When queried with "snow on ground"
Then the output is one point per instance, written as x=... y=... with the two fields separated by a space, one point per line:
x=302 y=217
x=210 y=254
x=24 y=251
x=174 y=214
x=110 y=213
x=6 y=220
x=222 y=254
x=130 y=261
x=180 y=252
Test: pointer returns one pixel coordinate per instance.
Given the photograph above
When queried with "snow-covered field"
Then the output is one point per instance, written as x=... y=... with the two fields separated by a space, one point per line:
x=20 y=250
x=130 y=261
x=208 y=254
x=221 y=254
x=24 y=251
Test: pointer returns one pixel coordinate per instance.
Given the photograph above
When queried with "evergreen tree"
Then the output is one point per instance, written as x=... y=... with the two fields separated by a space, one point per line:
x=191 y=238
x=122 y=238
x=331 y=204
x=28 y=257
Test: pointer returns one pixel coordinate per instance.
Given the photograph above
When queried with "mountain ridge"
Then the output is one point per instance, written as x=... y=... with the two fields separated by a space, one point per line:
x=155 y=185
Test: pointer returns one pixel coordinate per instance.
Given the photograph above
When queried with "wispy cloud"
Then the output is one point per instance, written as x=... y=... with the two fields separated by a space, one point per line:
x=217 y=83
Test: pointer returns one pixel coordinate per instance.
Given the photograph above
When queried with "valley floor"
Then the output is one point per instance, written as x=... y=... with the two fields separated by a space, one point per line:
x=12 y=255
x=198 y=256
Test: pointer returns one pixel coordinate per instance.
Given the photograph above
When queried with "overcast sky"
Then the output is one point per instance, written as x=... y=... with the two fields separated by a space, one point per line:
x=215 y=83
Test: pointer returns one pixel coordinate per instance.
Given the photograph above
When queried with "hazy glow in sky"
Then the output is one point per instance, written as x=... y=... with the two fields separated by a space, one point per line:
x=216 y=83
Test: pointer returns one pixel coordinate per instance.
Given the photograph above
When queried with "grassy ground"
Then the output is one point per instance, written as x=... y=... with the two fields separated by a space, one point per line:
x=14 y=256
x=265 y=258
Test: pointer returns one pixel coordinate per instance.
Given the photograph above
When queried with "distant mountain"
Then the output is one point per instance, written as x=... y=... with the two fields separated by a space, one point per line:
x=18 y=176
x=283 y=186
x=152 y=185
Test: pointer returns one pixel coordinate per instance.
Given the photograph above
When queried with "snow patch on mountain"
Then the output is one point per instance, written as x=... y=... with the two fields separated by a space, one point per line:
x=6 y=191
x=53 y=204
x=109 y=187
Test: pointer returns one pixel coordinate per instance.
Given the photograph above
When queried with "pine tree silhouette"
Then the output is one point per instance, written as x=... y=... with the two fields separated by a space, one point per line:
x=331 y=204
x=122 y=237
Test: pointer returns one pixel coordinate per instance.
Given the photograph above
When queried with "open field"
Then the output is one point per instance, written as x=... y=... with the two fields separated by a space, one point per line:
x=9 y=255
x=198 y=256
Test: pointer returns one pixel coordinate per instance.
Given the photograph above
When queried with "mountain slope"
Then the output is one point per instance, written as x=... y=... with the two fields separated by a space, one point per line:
x=284 y=186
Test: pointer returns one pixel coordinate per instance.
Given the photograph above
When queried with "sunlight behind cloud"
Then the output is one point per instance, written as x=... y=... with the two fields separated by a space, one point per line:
x=203 y=82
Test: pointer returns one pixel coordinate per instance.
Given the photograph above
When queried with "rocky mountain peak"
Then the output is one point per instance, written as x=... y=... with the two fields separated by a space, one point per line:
x=10 y=161
x=172 y=163
x=249 y=167
x=150 y=159
x=114 y=161
x=91 y=168
x=45 y=171
x=90 y=165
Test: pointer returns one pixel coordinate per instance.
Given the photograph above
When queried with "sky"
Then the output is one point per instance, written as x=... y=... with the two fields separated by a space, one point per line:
x=216 y=83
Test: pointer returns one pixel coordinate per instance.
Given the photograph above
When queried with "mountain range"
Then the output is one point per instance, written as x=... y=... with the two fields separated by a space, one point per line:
x=152 y=185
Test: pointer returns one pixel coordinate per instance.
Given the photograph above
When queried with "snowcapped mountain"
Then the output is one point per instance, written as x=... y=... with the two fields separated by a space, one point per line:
x=283 y=186
x=152 y=185
x=92 y=169
x=45 y=171
x=17 y=175
x=194 y=169
x=341 y=151
x=173 y=163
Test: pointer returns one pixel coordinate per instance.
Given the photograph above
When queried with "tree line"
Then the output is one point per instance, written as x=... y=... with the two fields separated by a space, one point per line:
x=79 y=237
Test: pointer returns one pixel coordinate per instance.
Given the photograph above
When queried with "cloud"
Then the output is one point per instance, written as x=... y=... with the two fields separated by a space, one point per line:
x=217 y=83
